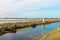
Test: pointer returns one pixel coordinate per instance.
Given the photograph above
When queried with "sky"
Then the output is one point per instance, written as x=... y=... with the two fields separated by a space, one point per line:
x=30 y=8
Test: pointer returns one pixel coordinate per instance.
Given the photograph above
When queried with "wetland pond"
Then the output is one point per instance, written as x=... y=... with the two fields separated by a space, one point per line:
x=30 y=33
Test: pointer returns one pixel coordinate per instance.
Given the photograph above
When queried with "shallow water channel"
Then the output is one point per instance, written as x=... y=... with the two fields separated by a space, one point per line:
x=30 y=33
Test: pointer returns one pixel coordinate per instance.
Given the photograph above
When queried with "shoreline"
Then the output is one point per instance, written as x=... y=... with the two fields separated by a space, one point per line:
x=19 y=24
x=52 y=35
x=11 y=26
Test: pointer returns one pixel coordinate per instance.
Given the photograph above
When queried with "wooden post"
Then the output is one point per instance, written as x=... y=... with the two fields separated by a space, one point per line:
x=43 y=20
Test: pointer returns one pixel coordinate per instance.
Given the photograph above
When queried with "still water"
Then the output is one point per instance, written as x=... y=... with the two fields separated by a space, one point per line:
x=30 y=33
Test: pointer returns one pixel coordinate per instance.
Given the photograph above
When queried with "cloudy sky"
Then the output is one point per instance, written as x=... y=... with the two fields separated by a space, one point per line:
x=30 y=8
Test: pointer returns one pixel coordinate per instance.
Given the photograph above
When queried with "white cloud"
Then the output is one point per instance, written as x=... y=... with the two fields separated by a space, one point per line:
x=37 y=3
x=13 y=6
x=6 y=6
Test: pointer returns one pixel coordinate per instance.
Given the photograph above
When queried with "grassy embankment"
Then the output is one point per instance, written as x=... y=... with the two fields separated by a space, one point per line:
x=53 y=35
x=31 y=23
x=6 y=27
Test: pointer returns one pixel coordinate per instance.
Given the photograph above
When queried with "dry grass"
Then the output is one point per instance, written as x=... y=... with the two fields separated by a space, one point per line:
x=54 y=35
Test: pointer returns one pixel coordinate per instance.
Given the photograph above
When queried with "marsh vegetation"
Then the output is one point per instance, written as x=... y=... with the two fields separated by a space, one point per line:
x=12 y=27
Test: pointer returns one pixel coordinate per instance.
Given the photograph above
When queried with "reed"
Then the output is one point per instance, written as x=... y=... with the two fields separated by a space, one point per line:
x=16 y=25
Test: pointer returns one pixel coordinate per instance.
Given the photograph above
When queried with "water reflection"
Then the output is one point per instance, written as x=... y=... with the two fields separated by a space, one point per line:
x=29 y=33
x=13 y=31
x=43 y=28
x=33 y=26
x=4 y=32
